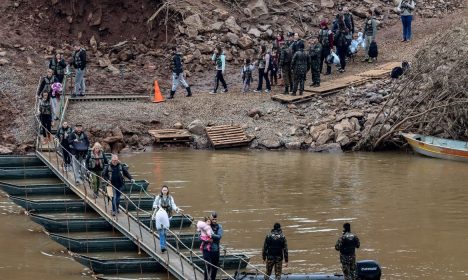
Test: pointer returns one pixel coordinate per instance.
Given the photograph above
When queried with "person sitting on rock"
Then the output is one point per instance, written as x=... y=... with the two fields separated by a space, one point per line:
x=178 y=74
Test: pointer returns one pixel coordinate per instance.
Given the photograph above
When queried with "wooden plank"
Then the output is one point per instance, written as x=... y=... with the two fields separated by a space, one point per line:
x=171 y=135
x=226 y=133
x=237 y=136
x=227 y=136
x=223 y=128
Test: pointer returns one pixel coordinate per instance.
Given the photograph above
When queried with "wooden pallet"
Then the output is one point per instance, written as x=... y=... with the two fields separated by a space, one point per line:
x=284 y=98
x=110 y=98
x=171 y=135
x=336 y=85
x=226 y=136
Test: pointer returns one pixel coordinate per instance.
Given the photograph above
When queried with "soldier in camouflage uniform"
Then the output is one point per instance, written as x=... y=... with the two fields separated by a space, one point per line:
x=300 y=64
x=315 y=53
x=274 y=250
x=285 y=64
x=347 y=245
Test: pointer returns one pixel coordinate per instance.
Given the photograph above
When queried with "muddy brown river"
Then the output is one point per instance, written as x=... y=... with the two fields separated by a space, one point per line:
x=409 y=212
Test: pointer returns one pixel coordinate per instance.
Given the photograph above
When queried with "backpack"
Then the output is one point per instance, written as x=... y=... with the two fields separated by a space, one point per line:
x=373 y=50
x=325 y=38
x=396 y=72
x=177 y=64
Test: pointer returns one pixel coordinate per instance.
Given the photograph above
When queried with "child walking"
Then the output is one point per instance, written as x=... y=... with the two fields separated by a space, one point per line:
x=247 y=75
x=204 y=227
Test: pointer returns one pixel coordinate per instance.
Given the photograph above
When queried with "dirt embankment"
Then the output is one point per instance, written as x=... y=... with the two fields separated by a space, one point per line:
x=126 y=54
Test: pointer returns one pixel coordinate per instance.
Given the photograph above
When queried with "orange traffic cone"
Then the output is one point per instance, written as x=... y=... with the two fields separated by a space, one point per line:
x=157 y=93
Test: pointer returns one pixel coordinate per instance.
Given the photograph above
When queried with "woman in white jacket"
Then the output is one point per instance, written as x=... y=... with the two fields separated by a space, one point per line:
x=166 y=201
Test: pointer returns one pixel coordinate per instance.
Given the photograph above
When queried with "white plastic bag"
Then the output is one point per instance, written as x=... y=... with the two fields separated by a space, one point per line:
x=336 y=59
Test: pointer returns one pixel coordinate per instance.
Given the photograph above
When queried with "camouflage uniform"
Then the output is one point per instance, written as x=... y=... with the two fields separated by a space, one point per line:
x=315 y=54
x=285 y=64
x=300 y=65
x=274 y=249
x=347 y=245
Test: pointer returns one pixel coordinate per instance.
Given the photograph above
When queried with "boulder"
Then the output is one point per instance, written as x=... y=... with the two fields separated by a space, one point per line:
x=232 y=38
x=95 y=17
x=256 y=8
x=356 y=124
x=294 y=145
x=178 y=125
x=3 y=53
x=325 y=136
x=359 y=12
x=245 y=42
x=93 y=44
x=254 y=111
x=327 y=3
x=204 y=48
x=217 y=26
x=327 y=148
x=221 y=14
x=196 y=127
x=271 y=144
x=232 y=25
x=4 y=61
x=350 y=114
x=194 y=21
x=188 y=58
x=254 y=31
x=200 y=142
x=316 y=130
x=5 y=151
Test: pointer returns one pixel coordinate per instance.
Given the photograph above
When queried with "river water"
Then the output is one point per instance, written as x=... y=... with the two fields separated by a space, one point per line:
x=408 y=211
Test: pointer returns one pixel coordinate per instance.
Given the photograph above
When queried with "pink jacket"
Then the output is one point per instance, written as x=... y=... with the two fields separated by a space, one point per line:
x=205 y=230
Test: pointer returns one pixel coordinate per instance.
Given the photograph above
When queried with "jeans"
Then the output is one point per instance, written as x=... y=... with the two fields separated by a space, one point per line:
x=46 y=121
x=162 y=238
x=65 y=152
x=219 y=78
x=263 y=75
x=246 y=85
x=368 y=40
x=116 y=199
x=406 y=21
x=78 y=167
x=178 y=79
x=80 y=82
x=54 y=102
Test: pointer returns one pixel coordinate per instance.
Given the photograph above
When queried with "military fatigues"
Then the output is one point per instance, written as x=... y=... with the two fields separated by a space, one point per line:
x=96 y=164
x=299 y=65
x=285 y=64
x=315 y=54
x=274 y=250
x=347 y=245
x=326 y=39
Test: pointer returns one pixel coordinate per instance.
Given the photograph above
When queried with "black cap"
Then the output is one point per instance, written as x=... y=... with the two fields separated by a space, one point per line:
x=78 y=124
x=276 y=226
x=214 y=215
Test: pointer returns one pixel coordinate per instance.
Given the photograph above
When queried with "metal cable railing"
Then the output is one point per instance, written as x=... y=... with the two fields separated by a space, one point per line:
x=82 y=170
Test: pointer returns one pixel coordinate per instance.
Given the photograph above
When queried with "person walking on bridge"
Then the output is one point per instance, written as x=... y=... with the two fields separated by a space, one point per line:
x=116 y=172
x=79 y=142
x=347 y=244
x=96 y=161
x=211 y=254
x=275 y=249
x=79 y=61
x=166 y=201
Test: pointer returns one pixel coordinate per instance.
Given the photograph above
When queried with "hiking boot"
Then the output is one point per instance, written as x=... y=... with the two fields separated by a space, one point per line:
x=171 y=95
x=224 y=90
x=213 y=92
x=267 y=91
x=370 y=60
x=258 y=90
x=293 y=94
x=365 y=60
x=189 y=92
x=316 y=85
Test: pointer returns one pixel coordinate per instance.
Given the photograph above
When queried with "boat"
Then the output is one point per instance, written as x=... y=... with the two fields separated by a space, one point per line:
x=60 y=188
x=148 y=264
x=26 y=173
x=366 y=269
x=20 y=161
x=82 y=224
x=74 y=204
x=438 y=147
x=117 y=266
x=121 y=243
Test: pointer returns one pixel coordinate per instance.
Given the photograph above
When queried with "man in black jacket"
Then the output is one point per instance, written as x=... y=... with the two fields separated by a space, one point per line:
x=62 y=135
x=115 y=173
x=79 y=144
x=46 y=83
x=274 y=250
x=178 y=74
x=79 y=63
x=347 y=245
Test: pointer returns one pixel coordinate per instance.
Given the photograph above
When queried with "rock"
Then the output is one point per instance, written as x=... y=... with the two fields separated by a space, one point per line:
x=188 y=58
x=178 y=125
x=232 y=38
x=264 y=28
x=217 y=26
x=254 y=31
x=3 y=53
x=70 y=19
x=93 y=44
x=254 y=111
x=232 y=25
x=350 y=114
x=245 y=42
x=356 y=124
x=256 y=8
x=325 y=136
x=196 y=127
x=327 y=3
x=5 y=151
x=200 y=142
x=344 y=125
x=376 y=99
x=343 y=140
x=4 y=61
x=359 y=12
x=221 y=14
x=271 y=144
x=327 y=148
x=194 y=21
x=204 y=48
x=316 y=130
x=95 y=18
x=293 y=145
x=113 y=69
x=192 y=32
x=292 y=106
